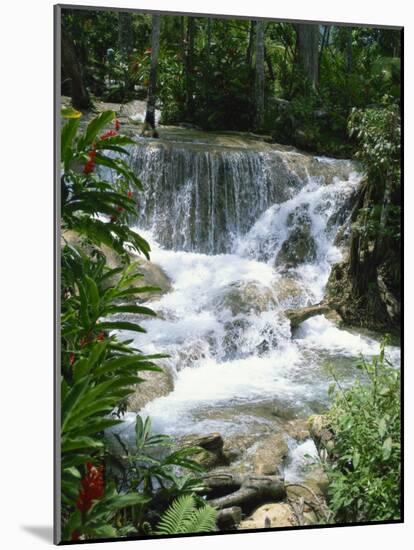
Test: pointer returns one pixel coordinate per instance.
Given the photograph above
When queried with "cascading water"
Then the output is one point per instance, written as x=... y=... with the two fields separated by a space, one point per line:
x=244 y=230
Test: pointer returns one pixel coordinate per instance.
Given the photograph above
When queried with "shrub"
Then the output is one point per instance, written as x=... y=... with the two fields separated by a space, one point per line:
x=365 y=471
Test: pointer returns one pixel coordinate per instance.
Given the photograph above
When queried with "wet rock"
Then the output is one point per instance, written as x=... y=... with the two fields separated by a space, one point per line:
x=269 y=515
x=269 y=455
x=157 y=384
x=228 y=519
x=246 y=297
x=297 y=429
x=154 y=275
x=211 y=454
x=298 y=248
x=287 y=290
x=284 y=411
x=321 y=433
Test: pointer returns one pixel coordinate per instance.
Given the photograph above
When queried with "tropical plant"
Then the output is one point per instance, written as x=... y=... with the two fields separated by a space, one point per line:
x=99 y=370
x=365 y=470
x=91 y=205
x=183 y=516
x=149 y=465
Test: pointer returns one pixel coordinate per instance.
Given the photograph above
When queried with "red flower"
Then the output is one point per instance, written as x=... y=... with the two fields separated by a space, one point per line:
x=71 y=359
x=90 y=164
x=92 y=487
x=119 y=209
x=130 y=194
x=75 y=535
x=117 y=125
x=89 y=167
x=108 y=134
x=100 y=337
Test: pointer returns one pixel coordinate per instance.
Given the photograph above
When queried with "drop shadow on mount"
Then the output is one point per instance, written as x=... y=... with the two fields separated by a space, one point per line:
x=42 y=532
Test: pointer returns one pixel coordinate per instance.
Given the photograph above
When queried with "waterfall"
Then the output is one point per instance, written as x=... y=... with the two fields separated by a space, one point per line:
x=201 y=197
x=244 y=230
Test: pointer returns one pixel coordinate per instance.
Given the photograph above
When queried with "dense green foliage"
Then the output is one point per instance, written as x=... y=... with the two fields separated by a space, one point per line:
x=378 y=135
x=206 y=73
x=100 y=369
x=365 y=471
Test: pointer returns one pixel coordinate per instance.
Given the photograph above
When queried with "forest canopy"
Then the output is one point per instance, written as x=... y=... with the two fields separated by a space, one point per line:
x=295 y=82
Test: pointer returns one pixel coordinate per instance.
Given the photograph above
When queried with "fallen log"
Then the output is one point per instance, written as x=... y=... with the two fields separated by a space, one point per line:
x=298 y=316
x=243 y=490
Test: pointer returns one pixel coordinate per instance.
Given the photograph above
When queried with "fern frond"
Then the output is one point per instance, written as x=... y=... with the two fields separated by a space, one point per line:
x=202 y=520
x=184 y=517
x=176 y=516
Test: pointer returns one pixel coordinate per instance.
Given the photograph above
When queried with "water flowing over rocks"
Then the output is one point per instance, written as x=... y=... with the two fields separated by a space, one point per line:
x=246 y=233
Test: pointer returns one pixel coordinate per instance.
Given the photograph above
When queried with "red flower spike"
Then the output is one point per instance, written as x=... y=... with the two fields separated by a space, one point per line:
x=117 y=125
x=71 y=359
x=93 y=487
x=100 y=337
x=90 y=164
x=130 y=194
x=89 y=167
x=109 y=134
x=119 y=209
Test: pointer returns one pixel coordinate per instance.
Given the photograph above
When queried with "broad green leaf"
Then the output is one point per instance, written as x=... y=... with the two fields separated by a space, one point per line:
x=70 y=113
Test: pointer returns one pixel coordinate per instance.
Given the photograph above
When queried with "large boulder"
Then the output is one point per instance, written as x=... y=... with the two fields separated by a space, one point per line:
x=246 y=297
x=211 y=454
x=153 y=273
x=157 y=384
x=269 y=455
x=298 y=248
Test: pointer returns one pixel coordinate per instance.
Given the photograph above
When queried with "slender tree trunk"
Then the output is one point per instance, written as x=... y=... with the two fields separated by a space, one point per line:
x=149 y=124
x=191 y=28
x=325 y=37
x=72 y=69
x=308 y=47
x=259 y=75
x=249 y=53
x=207 y=94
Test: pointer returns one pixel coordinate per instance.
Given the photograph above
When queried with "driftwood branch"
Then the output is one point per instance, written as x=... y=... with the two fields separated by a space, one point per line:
x=243 y=490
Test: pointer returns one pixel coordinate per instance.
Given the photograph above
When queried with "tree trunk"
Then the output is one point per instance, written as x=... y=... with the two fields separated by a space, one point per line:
x=189 y=68
x=308 y=47
x=72 y=69
x=249 y=53
x=259 y=75
x=149 y=124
